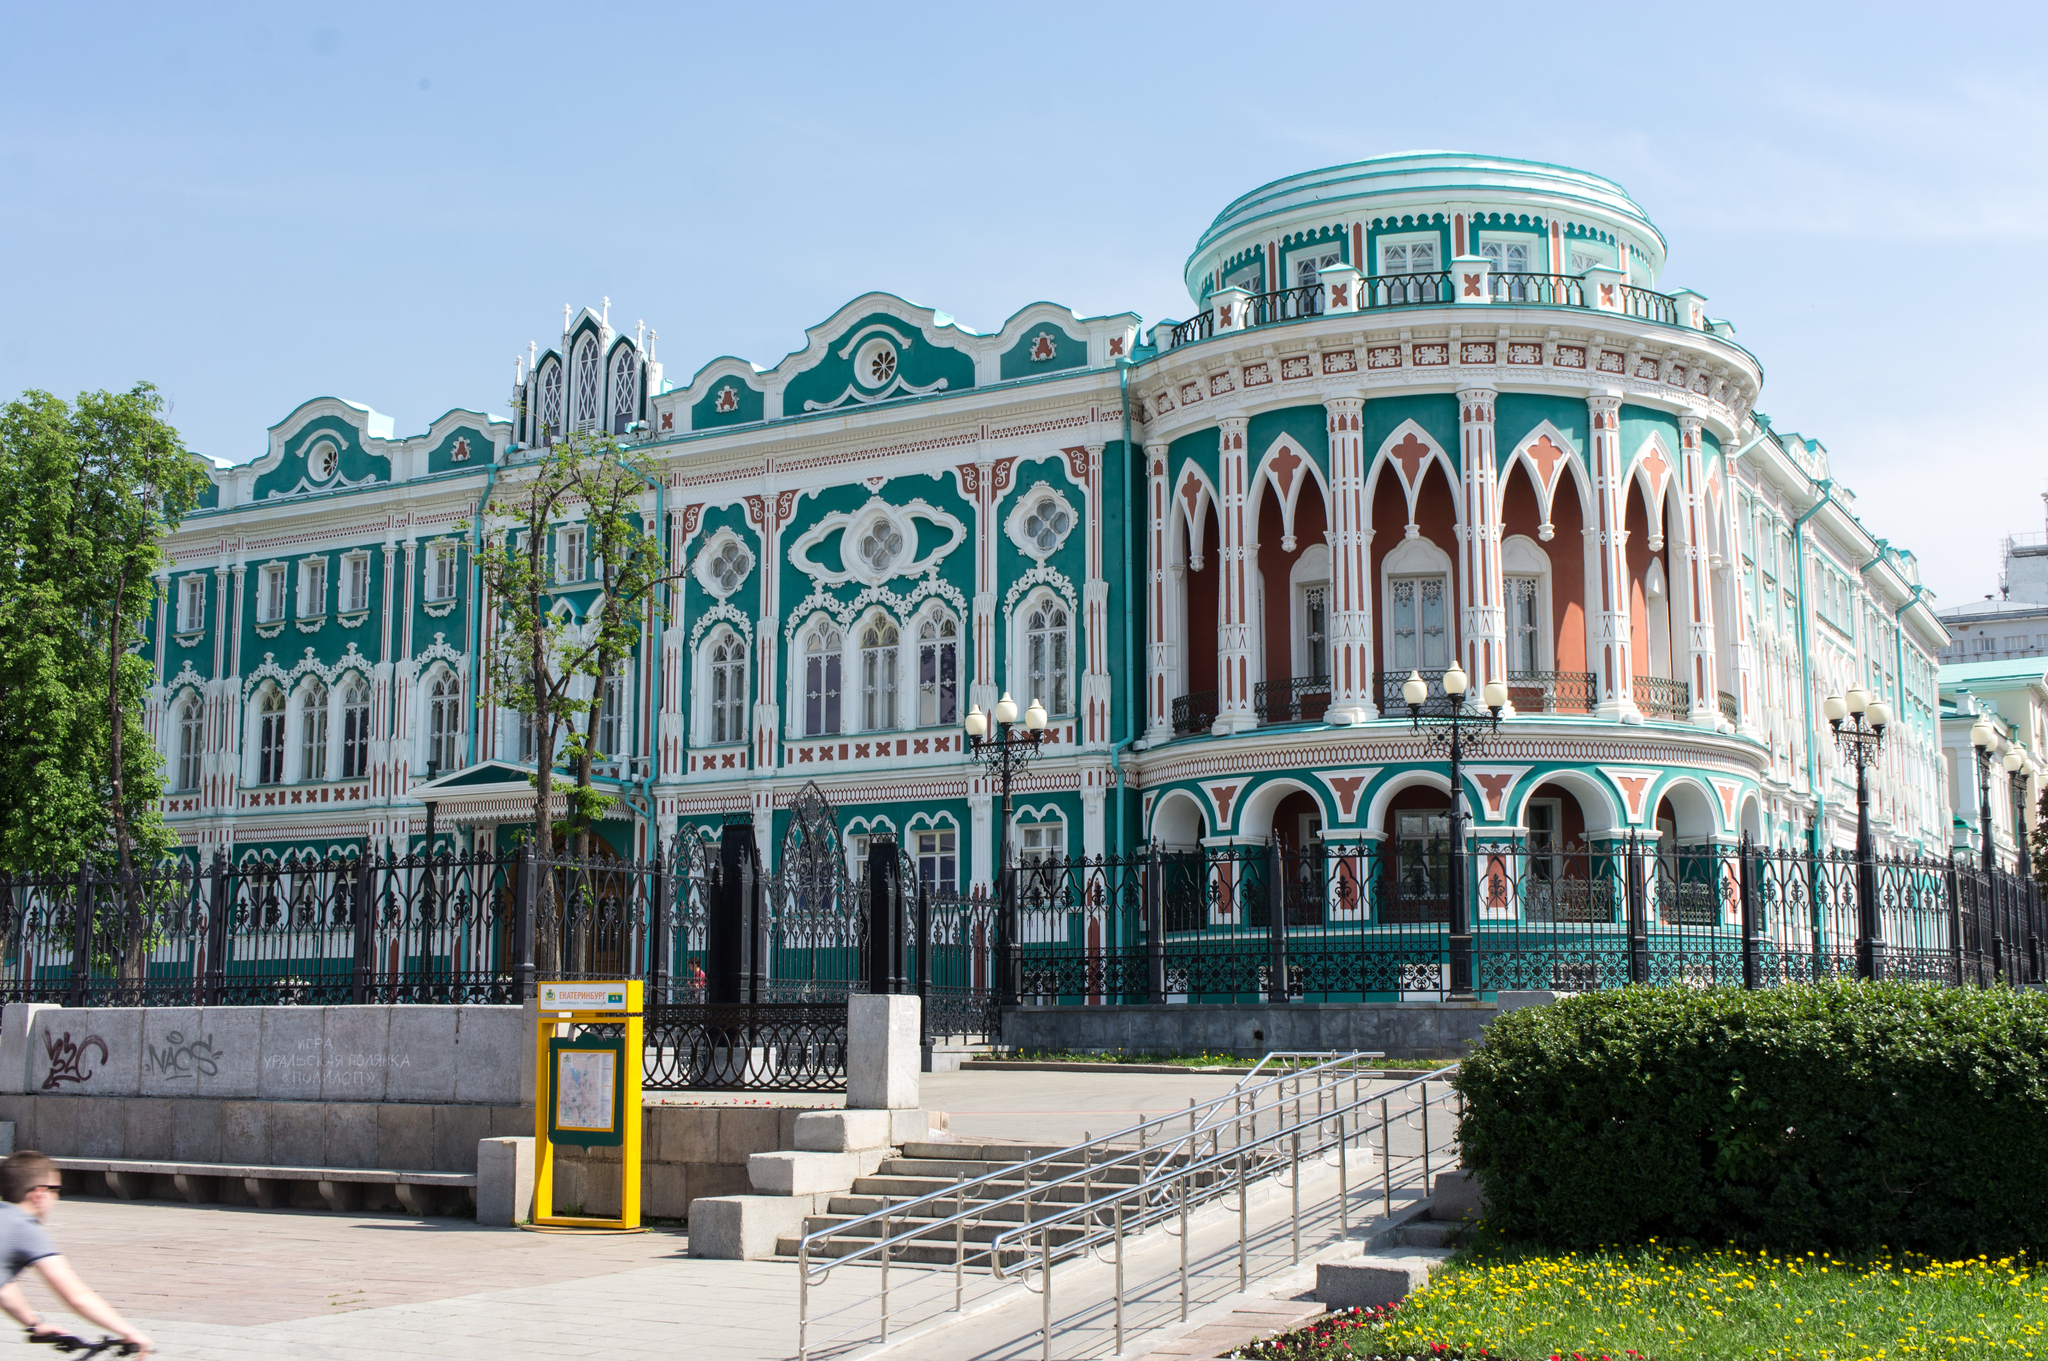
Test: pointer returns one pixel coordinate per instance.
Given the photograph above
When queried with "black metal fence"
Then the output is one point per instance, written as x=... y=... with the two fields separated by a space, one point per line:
x=748 y=969
x=1375 y=921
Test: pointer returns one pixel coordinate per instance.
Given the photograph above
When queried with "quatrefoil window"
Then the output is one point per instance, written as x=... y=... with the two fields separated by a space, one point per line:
x=321 y=464
x=1047 y=524
x=880 y=546
x=730 y=567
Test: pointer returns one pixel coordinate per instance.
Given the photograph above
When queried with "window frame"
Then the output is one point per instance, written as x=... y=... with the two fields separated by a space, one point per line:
x=191 y=742
x=881 y=674
x=718 y=669
x=446 y=720
x=355 y=728
x=1025 y=670
x=314 y=712
x=272 y=592
x=352 y=566
x=269 y=747
x=312 y=587
x=572 y=555
x=442 y=560
x=828 y=687
x=1405 y=242
x=938 y=684
x=192 y=602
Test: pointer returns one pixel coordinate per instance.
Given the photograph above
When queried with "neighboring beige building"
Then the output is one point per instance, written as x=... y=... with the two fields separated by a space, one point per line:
x=2013 y=694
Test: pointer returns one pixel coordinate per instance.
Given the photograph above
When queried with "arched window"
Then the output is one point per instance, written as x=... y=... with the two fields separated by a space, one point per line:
x=878 y=675
x=625 y=390
x=550 y=402
x=608 y=716
x=728 y=688
x=1416 y=611
x=313 y=732
x=938 y=671
x=822 y=662
x=270 y=736
x=588 y=377
x=1048 y=659
x=191 y=742
x=355 y=730
x=444 y=725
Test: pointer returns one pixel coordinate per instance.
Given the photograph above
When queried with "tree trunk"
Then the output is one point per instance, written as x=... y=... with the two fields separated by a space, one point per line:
x=114 y=707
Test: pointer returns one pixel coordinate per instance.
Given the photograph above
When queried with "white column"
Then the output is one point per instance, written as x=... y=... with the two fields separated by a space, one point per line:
x=1704 y=669
x=1607 y=594
x=1233 y=612
x=1093 y=728
x=1480 y=586
x=1162 y=653
x=1352 y=699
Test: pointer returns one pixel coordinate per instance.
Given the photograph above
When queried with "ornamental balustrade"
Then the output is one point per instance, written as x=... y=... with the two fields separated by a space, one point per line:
x=1435 y=288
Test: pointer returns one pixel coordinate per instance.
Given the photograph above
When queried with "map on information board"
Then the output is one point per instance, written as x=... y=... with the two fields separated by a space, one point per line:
x=585 y=1089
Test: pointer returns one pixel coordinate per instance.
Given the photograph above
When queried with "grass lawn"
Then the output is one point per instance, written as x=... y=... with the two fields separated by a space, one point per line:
x=1660 y=1302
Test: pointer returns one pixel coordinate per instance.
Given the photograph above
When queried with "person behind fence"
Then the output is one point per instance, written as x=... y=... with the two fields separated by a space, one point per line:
x=30 y=1183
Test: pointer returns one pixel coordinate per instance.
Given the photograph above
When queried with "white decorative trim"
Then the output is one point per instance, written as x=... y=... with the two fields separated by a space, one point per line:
x=353 y=621
x=441 y=611
x=1022 y=510
x=843 y=613
x=729 y=613
x=270 y=631
x=438 y=649
x=1041 y=575
x=309 y=665
x=700 y=566
x=850 y=523
x=190 y=639
x=310 y=625
x=186 y=676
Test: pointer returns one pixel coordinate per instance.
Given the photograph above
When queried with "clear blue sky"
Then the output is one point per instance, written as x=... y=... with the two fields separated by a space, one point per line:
x=253 y=206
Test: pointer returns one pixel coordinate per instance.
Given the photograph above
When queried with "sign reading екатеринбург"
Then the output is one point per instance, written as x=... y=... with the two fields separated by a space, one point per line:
x=582 y=997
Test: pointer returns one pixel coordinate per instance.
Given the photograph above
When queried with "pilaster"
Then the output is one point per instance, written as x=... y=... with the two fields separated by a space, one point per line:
x=1607 y=606
x=1703 y=668
x=1162 y=653
x=1093 y=729
x=1351 y=587
x=1479 y=577
x=1233 y=612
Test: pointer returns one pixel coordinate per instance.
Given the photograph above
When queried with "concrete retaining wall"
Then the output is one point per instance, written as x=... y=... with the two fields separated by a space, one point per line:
x=1400 y=1030
x=426 y=1054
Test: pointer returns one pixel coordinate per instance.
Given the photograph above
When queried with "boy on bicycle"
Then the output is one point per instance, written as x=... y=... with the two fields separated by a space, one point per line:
x=30 y=1183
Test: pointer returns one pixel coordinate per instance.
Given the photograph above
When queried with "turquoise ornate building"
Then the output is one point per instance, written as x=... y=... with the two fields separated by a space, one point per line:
x=1427 y=407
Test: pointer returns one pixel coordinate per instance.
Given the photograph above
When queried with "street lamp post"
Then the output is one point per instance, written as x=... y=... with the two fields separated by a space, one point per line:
x=1005 y=755
x=1861 y=744
x=1453 y=730
x=2016 y=775
x=1984 y=738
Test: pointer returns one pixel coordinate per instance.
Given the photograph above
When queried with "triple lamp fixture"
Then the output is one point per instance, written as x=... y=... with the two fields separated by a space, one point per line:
x=1986 y=738
x=1006 y=714
x=1859 y=705
x=1415 y=690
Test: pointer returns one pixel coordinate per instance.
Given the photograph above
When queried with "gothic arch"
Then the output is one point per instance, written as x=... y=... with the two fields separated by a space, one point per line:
x=1410 y=451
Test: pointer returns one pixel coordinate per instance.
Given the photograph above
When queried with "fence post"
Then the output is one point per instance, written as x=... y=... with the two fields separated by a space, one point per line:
x=921 y=971
x=1009 y=960
x=359 y=912
x=1751 y=951
x=1867 y=932
x=81 y=936
x=1951 y=878
x=1638 y=920
x=1276 y=920
x=219 y=920
x=885 y=917
x=522 y=921
x=1155 y=926
x=657 y=927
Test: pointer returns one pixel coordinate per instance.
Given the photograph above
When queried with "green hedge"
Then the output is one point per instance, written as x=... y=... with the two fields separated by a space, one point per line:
x=1840 y=1117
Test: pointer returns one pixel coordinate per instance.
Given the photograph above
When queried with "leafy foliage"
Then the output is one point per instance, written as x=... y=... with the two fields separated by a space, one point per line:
x=86 y=493
x=1835 y=1117
x=547 y=663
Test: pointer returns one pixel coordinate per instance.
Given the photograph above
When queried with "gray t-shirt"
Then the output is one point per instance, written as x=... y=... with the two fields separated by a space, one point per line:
x=23 y=1240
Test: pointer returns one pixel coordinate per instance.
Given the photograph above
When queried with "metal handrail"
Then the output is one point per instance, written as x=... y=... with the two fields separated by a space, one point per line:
x=1171 y=1161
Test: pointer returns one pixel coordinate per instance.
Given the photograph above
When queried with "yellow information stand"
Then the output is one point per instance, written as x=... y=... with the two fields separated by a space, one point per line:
x=587 y=1094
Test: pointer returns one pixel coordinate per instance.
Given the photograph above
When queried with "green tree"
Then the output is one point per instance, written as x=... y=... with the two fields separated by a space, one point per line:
x=631 y=566
x=542 y=653
x=87 y=492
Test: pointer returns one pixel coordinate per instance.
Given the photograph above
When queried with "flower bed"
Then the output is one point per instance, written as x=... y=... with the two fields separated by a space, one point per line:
x=1661 y=1302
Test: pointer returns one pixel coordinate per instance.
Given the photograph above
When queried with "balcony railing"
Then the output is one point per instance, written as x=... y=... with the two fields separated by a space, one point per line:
x=1551 y=692
x=1730 y=710
x=1660 y=698
x=1287 y=304
x=1193 y=713
x=1433 y=289
x=1301 y=700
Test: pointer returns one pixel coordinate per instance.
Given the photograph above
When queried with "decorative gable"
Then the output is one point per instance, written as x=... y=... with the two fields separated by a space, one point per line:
x=878 y=358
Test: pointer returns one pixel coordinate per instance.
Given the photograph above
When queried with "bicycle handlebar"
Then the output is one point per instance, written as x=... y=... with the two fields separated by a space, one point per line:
x=71 y=1342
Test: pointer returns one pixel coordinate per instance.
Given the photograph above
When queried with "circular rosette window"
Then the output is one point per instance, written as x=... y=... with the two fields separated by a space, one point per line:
x=874 y=366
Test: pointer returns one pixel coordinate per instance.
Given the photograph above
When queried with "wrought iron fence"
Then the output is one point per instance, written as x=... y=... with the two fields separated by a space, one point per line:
x=1660 y=698
x=1194 y=712
x=1362 y=921
x=1405 y=290
x=1552 y=692
x=1304 y=699
x=1285 y=304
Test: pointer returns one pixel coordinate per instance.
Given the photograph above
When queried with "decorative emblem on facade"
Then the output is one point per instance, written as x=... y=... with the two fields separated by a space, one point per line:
x=1476 y=352
x=1219 y=383
x=1043 y=348
x=1340 y=295
x=878 y=542
x=1524 y=354
x=728 y=399
x=1570 y=357
x=1340 y=361
x=1297 y=367
x=1611 y=362
x=1432 y=354
x=1383 y=357
x=460 y=453
x=1040 y=521
x=1257 y=375
x=723 y=564
x=1224 y=314
x=1190 y=392
x=1116 y=347
x=1472 y=288
x=668 y=420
